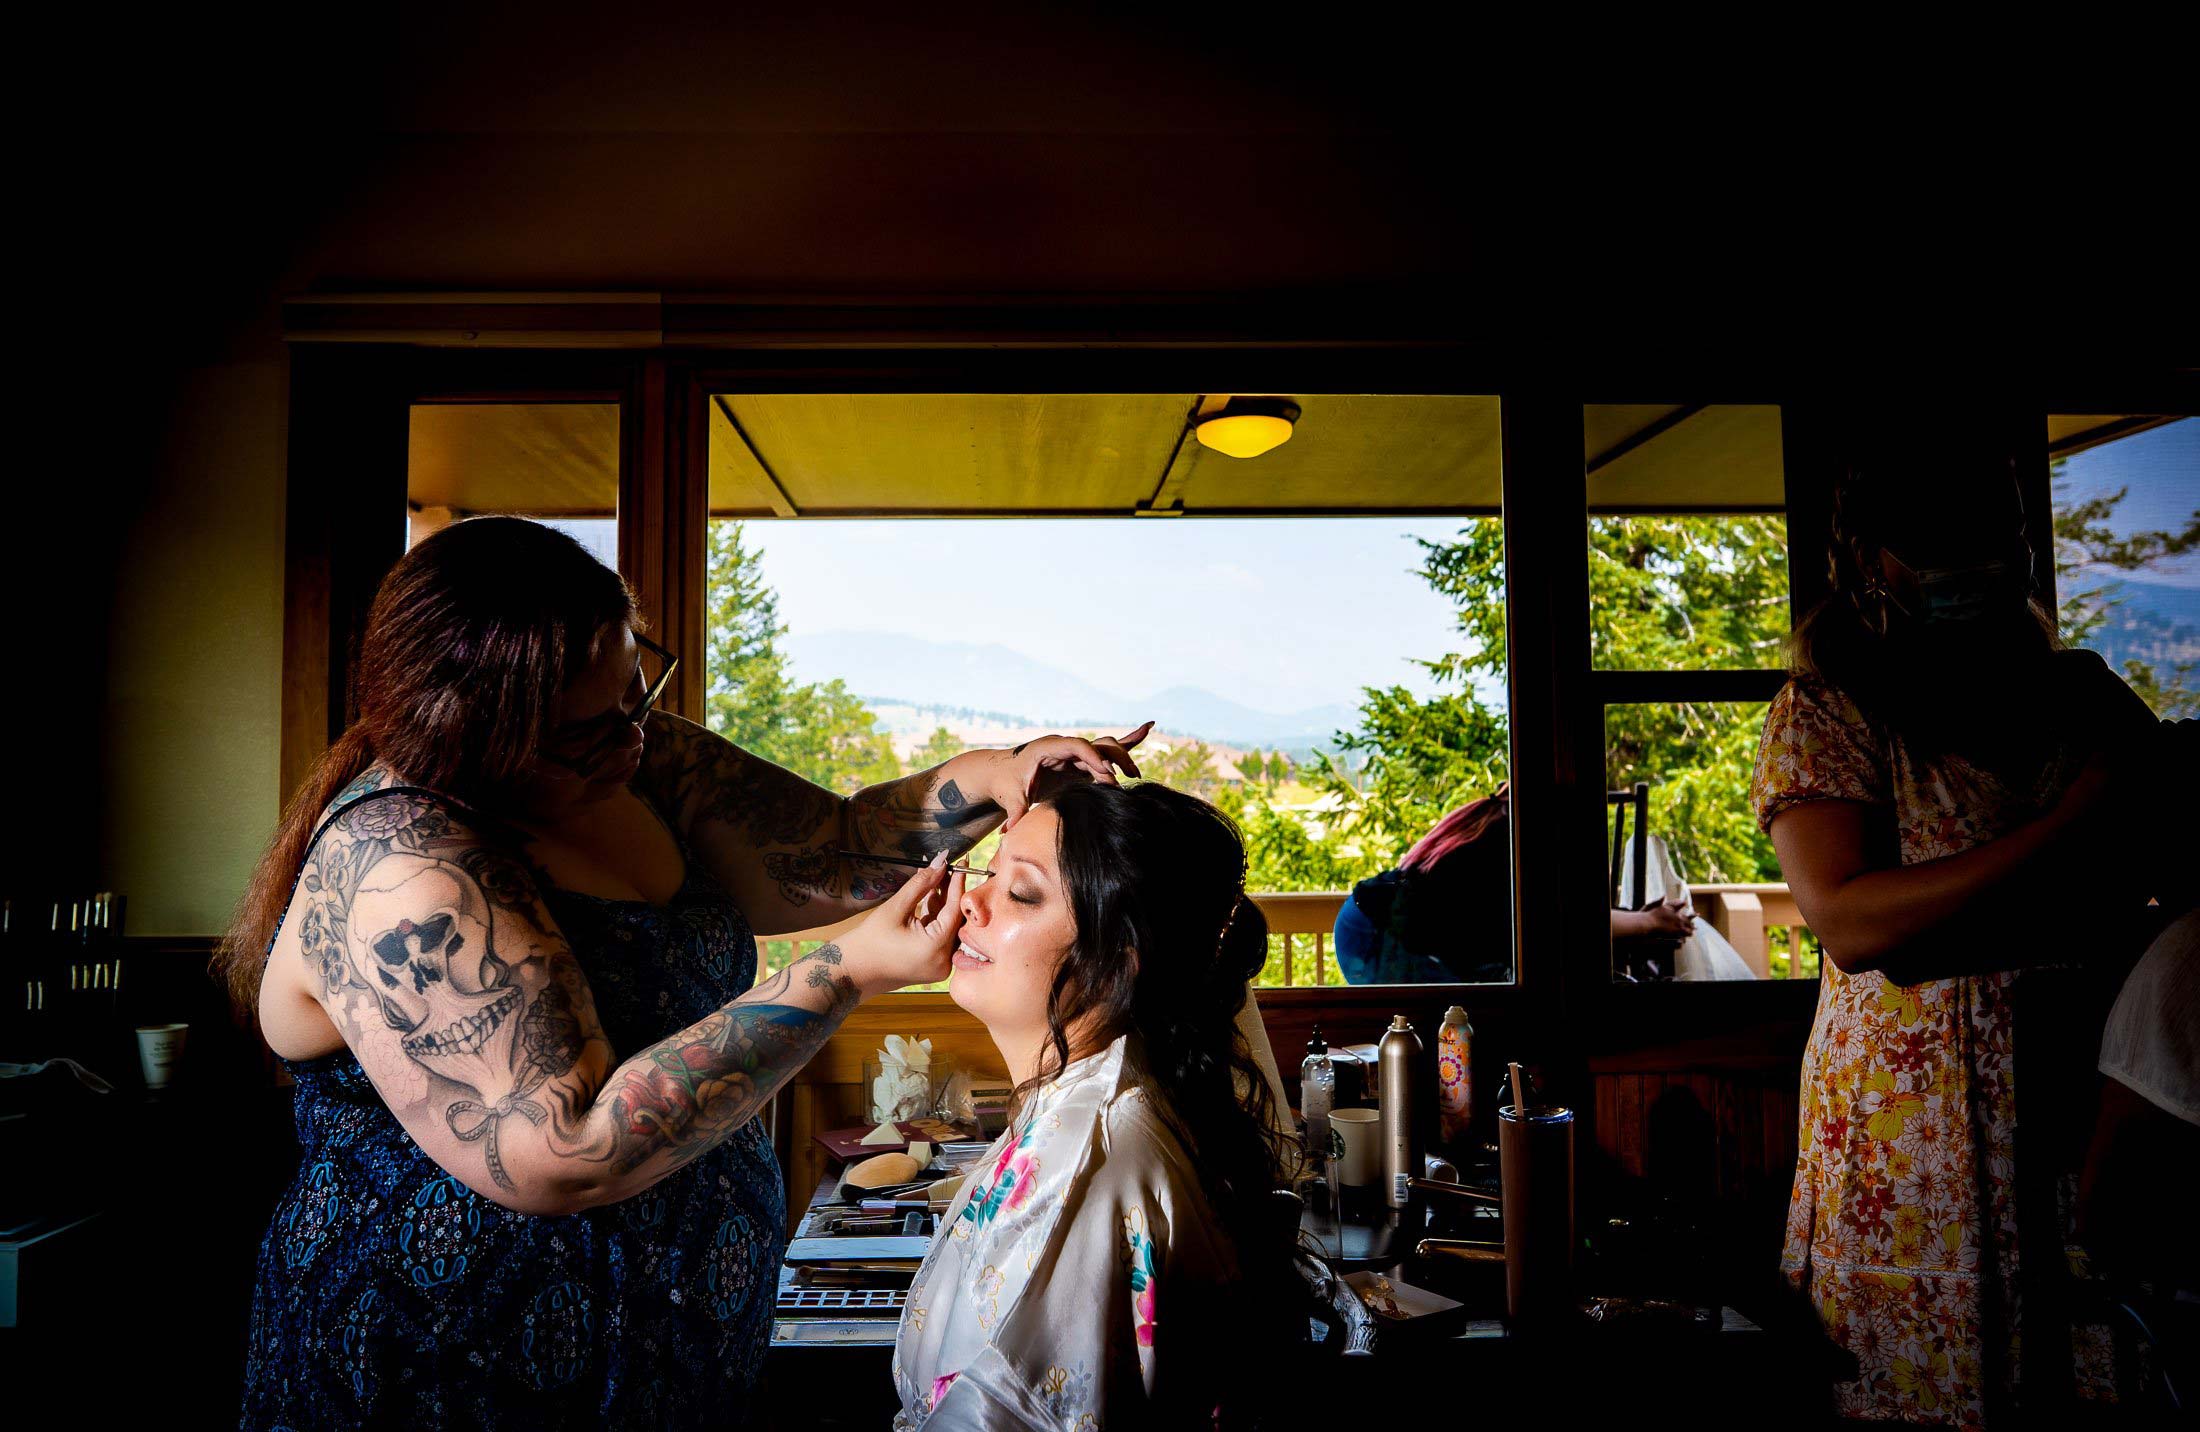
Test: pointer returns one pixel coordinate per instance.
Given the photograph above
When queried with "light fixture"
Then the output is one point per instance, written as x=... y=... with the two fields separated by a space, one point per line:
x=1248 y=427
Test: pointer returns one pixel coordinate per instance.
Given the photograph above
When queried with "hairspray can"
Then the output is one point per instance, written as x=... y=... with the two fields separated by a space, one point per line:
x=1398 y=1060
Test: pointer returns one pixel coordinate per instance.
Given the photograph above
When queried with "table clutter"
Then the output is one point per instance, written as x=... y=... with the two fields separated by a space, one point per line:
x=869 y=1223
x=1471 y=1271
x=1433 y=1231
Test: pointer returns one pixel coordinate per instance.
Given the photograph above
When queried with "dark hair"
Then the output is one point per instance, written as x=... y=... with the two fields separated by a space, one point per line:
x=1167 y=944
x=1907 y=486
x=468 y=643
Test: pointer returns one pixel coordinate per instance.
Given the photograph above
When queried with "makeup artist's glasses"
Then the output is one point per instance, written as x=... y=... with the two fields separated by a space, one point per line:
x=655 y=666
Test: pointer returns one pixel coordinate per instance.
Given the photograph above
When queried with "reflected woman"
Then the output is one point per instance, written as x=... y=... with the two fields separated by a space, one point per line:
x=1115 y=1251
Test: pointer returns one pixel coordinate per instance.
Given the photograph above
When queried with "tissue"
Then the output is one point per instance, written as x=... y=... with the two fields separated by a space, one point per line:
x=903 y=1087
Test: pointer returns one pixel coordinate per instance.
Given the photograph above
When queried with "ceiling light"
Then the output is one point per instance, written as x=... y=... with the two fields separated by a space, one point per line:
x=1248 y=427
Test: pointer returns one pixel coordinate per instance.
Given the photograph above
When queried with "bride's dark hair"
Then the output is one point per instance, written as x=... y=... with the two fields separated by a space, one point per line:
x=1167 y=944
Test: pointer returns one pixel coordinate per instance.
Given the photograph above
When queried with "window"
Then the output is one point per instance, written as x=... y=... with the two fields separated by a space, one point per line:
x=2126 y=493
x=1318 y=632
x=1690 y=602
x=558 y=462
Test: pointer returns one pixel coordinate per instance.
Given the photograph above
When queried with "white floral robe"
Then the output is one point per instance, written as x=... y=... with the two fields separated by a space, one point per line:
x=1079 y=1238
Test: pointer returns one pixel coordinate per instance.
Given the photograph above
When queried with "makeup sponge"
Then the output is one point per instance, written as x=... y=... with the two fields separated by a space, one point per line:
x=882 y=1170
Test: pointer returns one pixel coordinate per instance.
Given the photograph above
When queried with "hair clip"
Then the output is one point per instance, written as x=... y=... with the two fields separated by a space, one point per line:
x=1235 y=906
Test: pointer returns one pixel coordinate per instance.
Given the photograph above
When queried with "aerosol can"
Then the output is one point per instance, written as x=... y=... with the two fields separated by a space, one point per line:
x=1398 y=1062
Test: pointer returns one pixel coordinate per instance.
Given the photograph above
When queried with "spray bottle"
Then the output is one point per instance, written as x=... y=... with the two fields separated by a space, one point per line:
x=1454 y=1076
x=1396 y=1060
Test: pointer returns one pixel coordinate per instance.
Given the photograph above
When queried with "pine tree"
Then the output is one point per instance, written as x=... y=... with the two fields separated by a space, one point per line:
x=819 y=730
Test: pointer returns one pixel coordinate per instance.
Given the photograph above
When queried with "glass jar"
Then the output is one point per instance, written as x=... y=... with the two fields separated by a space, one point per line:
x=894 y=1093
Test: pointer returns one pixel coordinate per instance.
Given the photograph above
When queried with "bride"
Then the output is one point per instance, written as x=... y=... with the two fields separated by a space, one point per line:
x=1112 y=1254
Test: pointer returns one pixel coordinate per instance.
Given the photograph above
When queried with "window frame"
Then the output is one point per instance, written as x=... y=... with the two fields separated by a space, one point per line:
x=1192 y=366
x=1651 y=686
x=352 y=389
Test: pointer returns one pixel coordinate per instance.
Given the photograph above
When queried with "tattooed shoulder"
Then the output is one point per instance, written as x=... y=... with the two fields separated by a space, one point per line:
x=430 y=942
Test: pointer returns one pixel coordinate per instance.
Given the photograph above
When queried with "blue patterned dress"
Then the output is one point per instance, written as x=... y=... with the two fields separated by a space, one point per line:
x=391 y=1295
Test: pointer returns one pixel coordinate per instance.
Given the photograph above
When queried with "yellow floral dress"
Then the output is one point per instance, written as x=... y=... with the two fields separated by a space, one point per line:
x=1903 y=1226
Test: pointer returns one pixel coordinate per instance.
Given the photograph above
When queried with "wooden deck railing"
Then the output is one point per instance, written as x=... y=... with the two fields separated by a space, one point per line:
x=1292 y=918
x=1295 y=916
x=1751 y=916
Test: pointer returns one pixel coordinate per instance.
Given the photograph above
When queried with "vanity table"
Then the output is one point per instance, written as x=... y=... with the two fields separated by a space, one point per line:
x=830 y=1366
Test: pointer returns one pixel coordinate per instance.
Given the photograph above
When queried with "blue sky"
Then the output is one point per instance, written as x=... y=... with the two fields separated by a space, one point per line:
x=2161 y=469
x=1279 y=614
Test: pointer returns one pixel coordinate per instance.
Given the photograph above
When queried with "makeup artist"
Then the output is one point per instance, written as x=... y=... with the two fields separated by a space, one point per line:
x=504 y=942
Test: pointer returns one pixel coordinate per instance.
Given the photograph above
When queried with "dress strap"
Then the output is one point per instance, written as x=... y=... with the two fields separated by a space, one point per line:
x=359 y=800
x=336 y=815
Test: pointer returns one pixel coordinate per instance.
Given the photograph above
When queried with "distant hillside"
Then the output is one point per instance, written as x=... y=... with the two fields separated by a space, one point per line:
x=997 y=686
x=2150 y=622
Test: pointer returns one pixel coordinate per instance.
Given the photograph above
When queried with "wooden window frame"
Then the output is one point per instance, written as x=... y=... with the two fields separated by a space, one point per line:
x=352 y=389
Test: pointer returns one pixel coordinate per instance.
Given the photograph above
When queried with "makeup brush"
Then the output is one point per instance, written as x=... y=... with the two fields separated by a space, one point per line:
x=905 y=860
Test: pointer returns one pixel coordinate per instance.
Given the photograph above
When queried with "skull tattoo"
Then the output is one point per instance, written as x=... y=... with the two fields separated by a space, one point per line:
x=421 y=940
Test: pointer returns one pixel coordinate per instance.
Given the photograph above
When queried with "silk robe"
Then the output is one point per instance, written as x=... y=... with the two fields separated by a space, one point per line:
x=1077 y=1278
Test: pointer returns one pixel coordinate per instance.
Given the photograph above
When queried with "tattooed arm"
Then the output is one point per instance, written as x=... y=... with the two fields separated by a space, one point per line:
x=433 y=954
x=773 y=838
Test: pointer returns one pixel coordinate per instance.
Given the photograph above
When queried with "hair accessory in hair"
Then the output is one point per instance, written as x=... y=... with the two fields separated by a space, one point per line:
x=1235 y=904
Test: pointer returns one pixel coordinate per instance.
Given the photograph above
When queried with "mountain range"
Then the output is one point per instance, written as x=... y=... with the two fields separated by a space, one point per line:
x=2152 y=622
x=886 y=667
x=2155 y=622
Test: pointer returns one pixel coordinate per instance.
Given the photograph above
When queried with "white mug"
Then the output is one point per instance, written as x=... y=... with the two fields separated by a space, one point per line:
x=160 y=1050
x=1357 y=1128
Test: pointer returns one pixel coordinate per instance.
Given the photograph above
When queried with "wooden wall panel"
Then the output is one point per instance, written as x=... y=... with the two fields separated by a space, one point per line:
x=1705 y=1138
x=664 y=502
x=344 y=528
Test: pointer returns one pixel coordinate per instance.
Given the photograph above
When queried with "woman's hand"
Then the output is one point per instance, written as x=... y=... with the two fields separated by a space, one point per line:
x=1019 y=778
x=1671 y=916
x=1669 y=919
x=910 y=937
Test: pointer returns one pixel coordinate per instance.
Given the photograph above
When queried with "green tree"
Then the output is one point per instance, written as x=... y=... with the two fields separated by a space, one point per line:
x=1189 y=767
x=1687 y=593
x=819 y=730
x=747 y=675
x=2085 y=545
x=1670 y=592
x=941 y=745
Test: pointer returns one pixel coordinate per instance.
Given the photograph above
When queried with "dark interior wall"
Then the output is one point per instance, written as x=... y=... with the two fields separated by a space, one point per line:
x=1928 y=212
x=1507 y=179
x=1441 y=175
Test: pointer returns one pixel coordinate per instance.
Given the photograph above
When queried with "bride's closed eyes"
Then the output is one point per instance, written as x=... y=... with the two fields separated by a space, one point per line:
x=1029 y=891
x=1021 y=894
